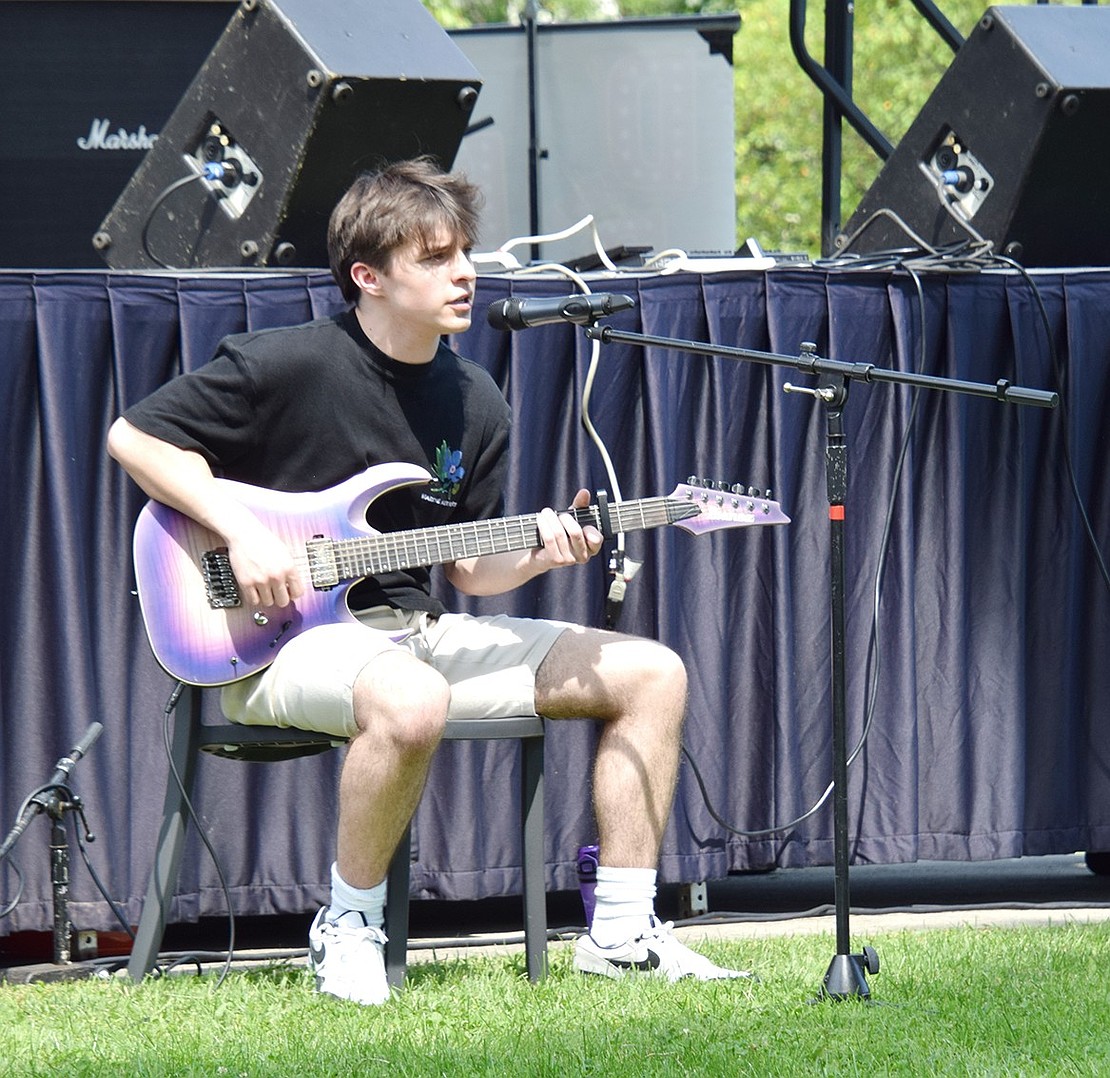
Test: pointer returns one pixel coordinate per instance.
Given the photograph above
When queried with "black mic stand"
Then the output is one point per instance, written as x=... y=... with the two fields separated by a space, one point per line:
x=55 y=798
x=846 y=975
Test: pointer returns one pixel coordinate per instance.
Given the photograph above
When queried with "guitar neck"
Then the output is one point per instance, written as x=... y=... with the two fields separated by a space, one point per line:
x=335 y=560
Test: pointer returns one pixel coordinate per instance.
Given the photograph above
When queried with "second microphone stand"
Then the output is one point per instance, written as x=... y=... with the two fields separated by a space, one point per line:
x=846 y=975
x=55 y=799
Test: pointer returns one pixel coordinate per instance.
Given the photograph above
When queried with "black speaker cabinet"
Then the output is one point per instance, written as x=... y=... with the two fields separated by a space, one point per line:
x=295 y=100
x=1013 y=145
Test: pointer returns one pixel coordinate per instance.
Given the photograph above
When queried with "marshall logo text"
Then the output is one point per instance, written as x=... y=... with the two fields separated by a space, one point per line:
x=100 y=138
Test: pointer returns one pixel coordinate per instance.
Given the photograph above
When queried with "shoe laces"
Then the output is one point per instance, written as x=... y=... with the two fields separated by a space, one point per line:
x=357 y=935
x=659 y=929
x=346 y=924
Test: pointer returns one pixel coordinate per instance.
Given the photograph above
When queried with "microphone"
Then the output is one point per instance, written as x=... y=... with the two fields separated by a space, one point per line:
x=61 y=772
x=580 y=309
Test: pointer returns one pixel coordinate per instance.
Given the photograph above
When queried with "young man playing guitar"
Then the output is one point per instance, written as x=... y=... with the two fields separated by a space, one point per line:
x=305 y=407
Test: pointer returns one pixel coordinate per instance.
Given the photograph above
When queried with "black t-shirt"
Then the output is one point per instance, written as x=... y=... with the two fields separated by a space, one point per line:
x=304 y=407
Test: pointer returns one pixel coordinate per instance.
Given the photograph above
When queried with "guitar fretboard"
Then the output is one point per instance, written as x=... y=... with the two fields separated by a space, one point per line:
x=332 y=561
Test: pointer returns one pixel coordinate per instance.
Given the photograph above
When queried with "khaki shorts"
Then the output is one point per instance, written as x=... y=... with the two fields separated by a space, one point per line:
x=489 y=662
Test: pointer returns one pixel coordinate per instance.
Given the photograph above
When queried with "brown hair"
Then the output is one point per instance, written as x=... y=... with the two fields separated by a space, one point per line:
x=404 y=202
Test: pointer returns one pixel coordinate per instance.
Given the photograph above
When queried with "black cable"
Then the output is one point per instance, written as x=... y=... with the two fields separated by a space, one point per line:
x=969 y=256
x=57 y=788
x=18 y=887
x=975 y=242
x=167 y=713
x=99 y=883
x=872 y=659
x=1058 y=371
x=872 y=662
x=163 y=195
x=827 y=910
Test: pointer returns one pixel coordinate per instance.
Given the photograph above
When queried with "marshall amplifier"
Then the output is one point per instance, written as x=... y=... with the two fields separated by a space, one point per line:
x=295 y=100
x=85 y=89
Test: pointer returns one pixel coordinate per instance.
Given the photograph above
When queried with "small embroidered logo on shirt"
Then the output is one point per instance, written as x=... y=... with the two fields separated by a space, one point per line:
x=449 y=471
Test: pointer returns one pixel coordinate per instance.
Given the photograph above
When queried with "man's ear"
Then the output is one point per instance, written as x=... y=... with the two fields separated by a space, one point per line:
x=366 y=278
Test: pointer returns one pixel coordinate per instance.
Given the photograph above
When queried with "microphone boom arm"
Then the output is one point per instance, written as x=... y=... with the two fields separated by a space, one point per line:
x=810 y=363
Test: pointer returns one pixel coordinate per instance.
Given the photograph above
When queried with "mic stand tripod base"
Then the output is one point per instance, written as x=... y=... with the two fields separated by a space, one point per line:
x=845 y=977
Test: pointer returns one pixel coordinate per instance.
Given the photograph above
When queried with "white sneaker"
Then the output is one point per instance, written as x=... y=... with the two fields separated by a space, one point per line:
x=348 y=960
x=655 y=953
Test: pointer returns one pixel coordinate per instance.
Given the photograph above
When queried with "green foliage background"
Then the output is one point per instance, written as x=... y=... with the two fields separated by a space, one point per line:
x=898 y=60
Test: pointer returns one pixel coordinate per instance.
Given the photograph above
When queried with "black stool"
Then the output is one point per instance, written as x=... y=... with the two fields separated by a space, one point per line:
x=255 y=744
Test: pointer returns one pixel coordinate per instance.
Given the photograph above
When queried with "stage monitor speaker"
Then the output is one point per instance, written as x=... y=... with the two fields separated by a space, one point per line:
x=296 y=99
x=1013 y=146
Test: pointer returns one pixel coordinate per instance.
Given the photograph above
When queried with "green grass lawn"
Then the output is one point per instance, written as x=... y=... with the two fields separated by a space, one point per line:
x=999 y=1001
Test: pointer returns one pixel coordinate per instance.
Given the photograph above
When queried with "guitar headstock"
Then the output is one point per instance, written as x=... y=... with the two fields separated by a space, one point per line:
x=726 y=505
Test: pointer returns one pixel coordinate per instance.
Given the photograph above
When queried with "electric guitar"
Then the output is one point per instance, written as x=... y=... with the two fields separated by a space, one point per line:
x=202 y=632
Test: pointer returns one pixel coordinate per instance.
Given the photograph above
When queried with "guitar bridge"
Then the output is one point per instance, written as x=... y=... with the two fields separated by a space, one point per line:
x=219 y=580
x=323 y=570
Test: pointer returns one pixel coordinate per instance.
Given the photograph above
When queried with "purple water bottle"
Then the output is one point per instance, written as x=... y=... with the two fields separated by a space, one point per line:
x=587 y=880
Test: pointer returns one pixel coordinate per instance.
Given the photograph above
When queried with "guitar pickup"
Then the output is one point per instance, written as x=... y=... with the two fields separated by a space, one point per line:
x=323 y=569
x=219 y=580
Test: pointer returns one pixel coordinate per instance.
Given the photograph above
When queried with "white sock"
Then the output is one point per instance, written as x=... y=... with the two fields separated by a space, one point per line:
x=625 y=900
x=369 y=902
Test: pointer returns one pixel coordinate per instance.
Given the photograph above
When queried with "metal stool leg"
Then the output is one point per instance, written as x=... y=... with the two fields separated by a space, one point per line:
x=534 y=884
x=171 y=839
x=533 y=861
x=397 y=913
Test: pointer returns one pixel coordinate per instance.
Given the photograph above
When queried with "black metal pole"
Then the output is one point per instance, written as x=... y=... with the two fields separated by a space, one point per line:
x=845 y=975
x=830 y=87
x=838 y=63
x=529 y=17
x=59 y=883
x=836 y=466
